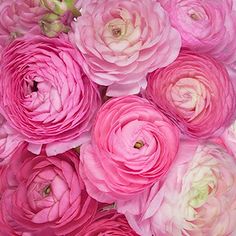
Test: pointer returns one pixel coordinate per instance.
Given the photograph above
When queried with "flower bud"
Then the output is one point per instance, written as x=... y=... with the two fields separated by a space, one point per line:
x=58 y=7
x=51 y=25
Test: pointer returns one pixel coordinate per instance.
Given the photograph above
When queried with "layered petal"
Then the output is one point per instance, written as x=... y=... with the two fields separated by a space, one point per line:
x=190 y=92
x=45 y=94
x=124 y=40
x=47 y=194
x=132 y=146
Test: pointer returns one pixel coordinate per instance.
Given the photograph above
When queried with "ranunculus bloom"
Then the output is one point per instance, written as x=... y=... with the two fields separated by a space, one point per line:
x=123 y=40
x=45 y=94
x=19 y=17
x=198 y=196
x=109 y=222
x=205 y=26
x=40 y=192
x=9 y=141
x=133 y=146
x=196 y=92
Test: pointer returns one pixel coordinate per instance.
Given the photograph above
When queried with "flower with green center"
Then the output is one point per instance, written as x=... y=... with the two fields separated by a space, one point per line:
x=196 y=198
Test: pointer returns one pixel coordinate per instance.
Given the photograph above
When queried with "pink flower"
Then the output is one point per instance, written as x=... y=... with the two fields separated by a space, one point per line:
x=109 y=223
x=207 y=26
x=123 y=40
x=19 y=17
x=196 y=92
x=132 y=147
x=45 y=94
x=9 y=141
x=198 y=196
x=40 y=192
x=229 y=138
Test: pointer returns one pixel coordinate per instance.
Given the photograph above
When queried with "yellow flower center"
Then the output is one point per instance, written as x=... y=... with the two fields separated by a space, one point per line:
x=139 y=144
x=46 y=190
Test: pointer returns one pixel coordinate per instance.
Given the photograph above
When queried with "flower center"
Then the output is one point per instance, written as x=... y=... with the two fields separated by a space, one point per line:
x=34 y=87
x=194 y=16
x=139 y=144
x=46 y=190
x=200 y=196
x=188 y=94
x=116 y=32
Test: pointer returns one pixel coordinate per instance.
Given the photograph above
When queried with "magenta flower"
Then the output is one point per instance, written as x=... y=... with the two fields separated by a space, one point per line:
x=45 y=94
x=133 y=146
x=9 y=141
x=40 y=192
x=109 y=222
x=123 y=40
x=190 y=92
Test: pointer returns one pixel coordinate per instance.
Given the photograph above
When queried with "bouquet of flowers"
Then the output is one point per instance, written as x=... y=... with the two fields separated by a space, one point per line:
x=118 y=117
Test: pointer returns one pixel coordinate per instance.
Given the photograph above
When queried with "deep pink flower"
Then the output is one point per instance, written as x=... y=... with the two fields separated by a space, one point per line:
x=196 y=92
x=207 y=26
x=133 y=146
x=109 y=222
x=198 y=196
x=45 y=94
x=9 y=141
x=40 y=192
x=123 y=40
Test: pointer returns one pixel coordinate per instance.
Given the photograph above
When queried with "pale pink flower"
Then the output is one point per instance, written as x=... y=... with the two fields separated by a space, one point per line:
x=19 y=17
x=195 y=92
x=45 y=94
x=132 y=146
x=123 y=40
x=40 y=192
x=207 y=26
x=197 y=198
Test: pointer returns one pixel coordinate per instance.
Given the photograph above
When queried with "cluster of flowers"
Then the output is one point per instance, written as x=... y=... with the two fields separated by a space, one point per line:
x=117 y=117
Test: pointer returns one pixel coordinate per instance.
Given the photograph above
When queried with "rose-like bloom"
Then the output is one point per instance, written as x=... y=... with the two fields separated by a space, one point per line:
x=133 y=146
x=123 y=40
x=109 y=222
x=196 y=92
x=197 y=198
x=9 y=141
x=205 y=26
x=45 y=94
x=19 y=17
x=40 y=192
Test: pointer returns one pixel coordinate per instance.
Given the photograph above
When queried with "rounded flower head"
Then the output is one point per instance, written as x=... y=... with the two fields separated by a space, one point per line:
x=190 y=92
x=109 y=223
x=124 y=40
x=19 y=17
x=133 y=146
x=45 y=94
x=45 y=192
x=198 y=196
x=205 y=26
